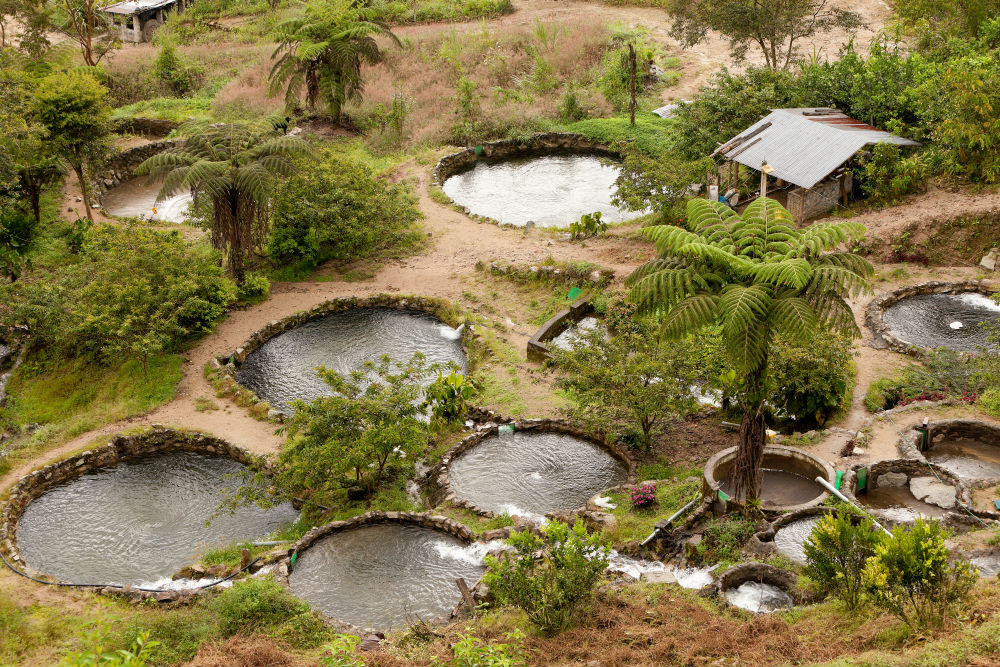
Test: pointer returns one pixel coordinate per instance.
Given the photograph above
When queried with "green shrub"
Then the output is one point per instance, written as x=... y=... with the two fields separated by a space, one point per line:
x=810 y=381
x=176 y=73
x=590 y=224
x=254 y=288
x=551 y=588
x=470 y=651
x=255 y=604
x=178 y=638
x=886 y=175
x=836 y=553
x=342 y=652
x=448 y=396
x=335 y=209
x=943 y=374
x=989 y=402
x=303 y=631
x=723 y=540
x=910 y=576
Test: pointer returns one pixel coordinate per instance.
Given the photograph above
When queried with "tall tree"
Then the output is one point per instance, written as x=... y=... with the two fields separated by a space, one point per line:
x=757 y=276
x=322 y=51
x=773 y=26
x=234 y=165
x=84 y=22
x=73 y=109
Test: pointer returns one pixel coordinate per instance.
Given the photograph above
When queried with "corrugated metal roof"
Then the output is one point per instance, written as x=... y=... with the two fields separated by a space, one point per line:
x=804 y=146
x=133 y=6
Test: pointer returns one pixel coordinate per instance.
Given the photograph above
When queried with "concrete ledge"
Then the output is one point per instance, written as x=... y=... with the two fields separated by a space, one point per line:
x=777 y=457
x=538 y=348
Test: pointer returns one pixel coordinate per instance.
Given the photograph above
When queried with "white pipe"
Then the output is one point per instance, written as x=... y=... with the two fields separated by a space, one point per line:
x=829 y=487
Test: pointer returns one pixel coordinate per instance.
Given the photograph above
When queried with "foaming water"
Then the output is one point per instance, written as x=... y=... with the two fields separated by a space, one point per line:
x=136 y=198
x=386 y=575
x=551 y=191
x=565 y=340
x=139 y=521
x=968 y=459
x=694 y=577
x=899 y=505
x=284 y=368
x=783 y=488
x=472 y=554
x=791 y=538
x=759 y=597
x=633 y=567
x=943 y=320
x=534 y=473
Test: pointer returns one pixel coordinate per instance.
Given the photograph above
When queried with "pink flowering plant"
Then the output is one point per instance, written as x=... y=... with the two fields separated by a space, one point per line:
x=643 y=496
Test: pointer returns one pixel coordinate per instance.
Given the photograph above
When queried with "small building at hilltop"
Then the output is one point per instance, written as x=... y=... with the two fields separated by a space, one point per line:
x=805 y=153
x=137 y=20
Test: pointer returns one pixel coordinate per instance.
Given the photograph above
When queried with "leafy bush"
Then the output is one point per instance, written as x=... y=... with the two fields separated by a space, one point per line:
x=910 y=576
x=132 y=292
x=615 y=78
x=550 y=588
x=836 y=553
x=810 y=381
x=176 y=73
x=255 y=604
x=337 y=209
x=470 y=651
x=449 y=395
x=886 y=175
x=254 y=287
x=989 y=402
x=342 y=652
x=723 y=540
x=944 y=374
x=590 y=224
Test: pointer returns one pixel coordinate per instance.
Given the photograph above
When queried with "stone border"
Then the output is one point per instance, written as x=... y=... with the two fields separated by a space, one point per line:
x=543 y=143
x=120 y=448
x=121 y=167
x=708 y=478
x=440 y=483
x=425 y=519
x=228 y=364
x=147 y=127
x=538 y=350
x=875 y=312
x=762 y=541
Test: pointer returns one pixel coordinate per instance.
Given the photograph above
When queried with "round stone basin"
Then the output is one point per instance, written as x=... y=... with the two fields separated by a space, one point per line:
x=283 y=369
x=571 y=334
x=788 y=477
x=759 y=597
x=967 y=448
x=139 y=521
x=790 y=539
x=953 y=321
x=550 y=191
x=531 y=473
x=136 y=198
x=385 y=575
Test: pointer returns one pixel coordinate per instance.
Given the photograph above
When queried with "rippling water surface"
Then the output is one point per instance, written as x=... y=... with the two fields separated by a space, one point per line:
x=943 y=320
x=531 y=473
x=283 y=368
x=385 y=575
x=551 y=191
x=136 y=198
x=791 y=538
x=139 y=521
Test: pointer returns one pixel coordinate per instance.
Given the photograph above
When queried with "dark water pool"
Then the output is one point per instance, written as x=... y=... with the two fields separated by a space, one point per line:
x=530 y=473
x=385 y=575
x=139 y=521
x=780 y=488
x=283 y=368
x=136 y=198
x=551 y=191
x=954 y=321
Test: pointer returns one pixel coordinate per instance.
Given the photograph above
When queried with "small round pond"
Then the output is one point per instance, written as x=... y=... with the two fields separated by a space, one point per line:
x=954 y=321
x=531 y=473
x=548 y=190
x=385 y=575
x=139 y=521
x=136 y=198
x=284 y=368
x=790 y=539
x=788 y=477
x=967 y=448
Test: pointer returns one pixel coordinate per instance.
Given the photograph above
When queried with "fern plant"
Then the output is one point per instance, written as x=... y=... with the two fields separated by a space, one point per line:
x=235 y=166
x=755 y=276
x=322 y=50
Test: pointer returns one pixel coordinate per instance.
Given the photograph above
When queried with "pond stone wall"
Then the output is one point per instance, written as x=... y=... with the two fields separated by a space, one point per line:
x=121 y=167
x=121 y=447
x=439 y=483
x=874 y=314
x=538 y=348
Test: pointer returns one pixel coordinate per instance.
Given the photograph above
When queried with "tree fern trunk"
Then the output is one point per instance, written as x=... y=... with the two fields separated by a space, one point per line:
x=753 y=435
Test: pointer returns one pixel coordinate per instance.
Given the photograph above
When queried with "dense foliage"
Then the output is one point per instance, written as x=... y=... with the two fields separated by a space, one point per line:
x=808 y=381
x=339 y=209
x=131 y=292
x=551 y=587
x=836 y=553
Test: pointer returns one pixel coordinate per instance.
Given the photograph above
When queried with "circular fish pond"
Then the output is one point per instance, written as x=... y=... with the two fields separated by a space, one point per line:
x=531 y=473
x=139 y=521
x=758 y=587
x=284 y=368
x=548 y=190
x=788 y=477
x=954 y=321
x=136 y=198
x=385 y=575
x=967 y=448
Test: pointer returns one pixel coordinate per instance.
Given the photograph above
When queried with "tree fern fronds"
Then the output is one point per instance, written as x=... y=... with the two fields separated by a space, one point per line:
x=690 y=314
x=796 y=273
x=794 y=315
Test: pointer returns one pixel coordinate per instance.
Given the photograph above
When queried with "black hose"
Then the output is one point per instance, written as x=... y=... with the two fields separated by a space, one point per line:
x=121 y=587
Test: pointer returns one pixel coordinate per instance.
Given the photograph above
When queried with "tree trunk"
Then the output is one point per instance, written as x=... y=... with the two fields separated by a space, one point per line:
x=631 y=84
x=84 y=190
x=753 y=435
